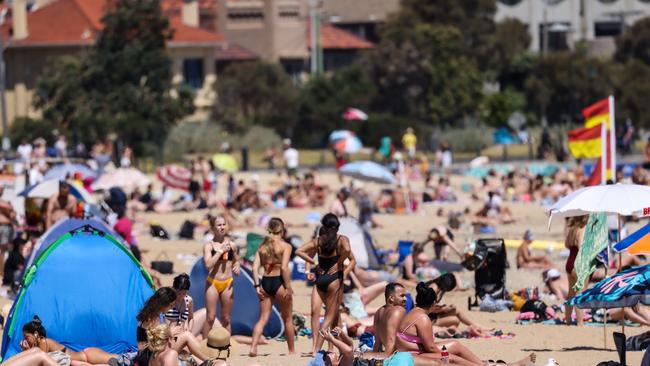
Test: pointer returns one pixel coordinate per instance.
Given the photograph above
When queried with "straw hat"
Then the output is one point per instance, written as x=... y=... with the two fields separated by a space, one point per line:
x=218 y=344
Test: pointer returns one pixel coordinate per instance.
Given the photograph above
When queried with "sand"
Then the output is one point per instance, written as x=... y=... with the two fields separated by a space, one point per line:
x=568 y=345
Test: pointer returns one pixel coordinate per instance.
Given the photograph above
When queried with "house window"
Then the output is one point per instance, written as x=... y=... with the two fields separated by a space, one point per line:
x=193 y=72
x=289 y=12
x=510 y=2
x=557 y=36
x=607 y=29
x=245 y=15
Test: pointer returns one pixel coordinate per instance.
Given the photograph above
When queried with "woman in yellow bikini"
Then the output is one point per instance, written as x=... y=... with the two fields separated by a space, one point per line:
x=221 y=261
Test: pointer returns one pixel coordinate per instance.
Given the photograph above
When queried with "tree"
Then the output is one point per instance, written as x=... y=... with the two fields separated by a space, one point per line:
x=257 y=93
x=634 y=43
x=474 y=18
x=563 y=83
x=633 y=88
x=122 y=84
x=498 y=107
x=324 y=99
x=511 y=60
x=422 y=74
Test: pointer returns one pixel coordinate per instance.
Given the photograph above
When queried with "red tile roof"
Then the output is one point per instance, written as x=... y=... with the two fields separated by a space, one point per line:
x=332 y=37
x=177 y=5
x=76 y=22
x=231 y=51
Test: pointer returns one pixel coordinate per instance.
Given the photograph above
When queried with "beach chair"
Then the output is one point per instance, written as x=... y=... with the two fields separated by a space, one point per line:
x=619 y=341
x=404 y=248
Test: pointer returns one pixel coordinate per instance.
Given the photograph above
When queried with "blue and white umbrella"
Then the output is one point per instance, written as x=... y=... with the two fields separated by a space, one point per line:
x=48 y=188
x=63 y=171
x=623 y=289
x=368 y=171
x=345 y=141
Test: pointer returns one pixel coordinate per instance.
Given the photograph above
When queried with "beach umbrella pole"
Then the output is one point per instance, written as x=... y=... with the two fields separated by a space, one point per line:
x=620 y=258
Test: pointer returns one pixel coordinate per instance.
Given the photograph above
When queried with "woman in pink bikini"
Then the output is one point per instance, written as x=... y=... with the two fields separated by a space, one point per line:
x=415 y=334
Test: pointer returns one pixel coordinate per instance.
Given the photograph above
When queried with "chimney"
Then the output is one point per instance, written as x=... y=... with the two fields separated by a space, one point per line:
x=190 y=13
x=19 y=19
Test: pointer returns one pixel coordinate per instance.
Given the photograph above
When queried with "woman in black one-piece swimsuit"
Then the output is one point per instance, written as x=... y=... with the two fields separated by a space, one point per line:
x=332 y=250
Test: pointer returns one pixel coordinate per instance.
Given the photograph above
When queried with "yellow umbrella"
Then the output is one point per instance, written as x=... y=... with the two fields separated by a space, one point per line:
x=225 y=162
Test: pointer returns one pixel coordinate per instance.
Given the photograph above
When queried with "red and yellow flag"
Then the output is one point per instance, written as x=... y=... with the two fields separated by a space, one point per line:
x=586 y=142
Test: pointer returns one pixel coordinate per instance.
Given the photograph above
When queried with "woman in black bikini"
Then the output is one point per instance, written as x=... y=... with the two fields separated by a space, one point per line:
x=181 y=314
x=273 y=255
x=333 y=250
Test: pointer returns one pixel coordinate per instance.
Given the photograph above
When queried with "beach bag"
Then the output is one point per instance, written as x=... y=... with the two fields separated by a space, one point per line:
x=364 y=362
x=61 y=358
x=187 y=230
x=535 y=306
x=164 y=267
x=158 y=231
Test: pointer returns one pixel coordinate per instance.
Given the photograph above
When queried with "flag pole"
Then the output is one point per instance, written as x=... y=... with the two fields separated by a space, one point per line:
x=603 y=153
x=612 y=136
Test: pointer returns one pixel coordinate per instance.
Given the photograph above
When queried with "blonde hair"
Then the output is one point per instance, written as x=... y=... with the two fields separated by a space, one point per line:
x=274 y=227
x=158 y=337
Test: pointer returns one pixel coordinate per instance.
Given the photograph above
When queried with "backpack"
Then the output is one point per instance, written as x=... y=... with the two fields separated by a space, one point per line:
x=536 y=306
x=187 y=230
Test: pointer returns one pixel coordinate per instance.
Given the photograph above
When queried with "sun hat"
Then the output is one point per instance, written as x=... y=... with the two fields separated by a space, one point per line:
x=218 y=344
x=528 y=235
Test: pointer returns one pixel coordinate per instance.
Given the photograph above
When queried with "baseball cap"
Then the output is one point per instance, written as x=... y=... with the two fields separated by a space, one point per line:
x=528 y=235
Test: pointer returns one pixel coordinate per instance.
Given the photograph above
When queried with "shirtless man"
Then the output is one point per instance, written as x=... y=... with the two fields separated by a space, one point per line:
x=526 y=260
x=60 y=205
x=7 y=220
x=388 y=317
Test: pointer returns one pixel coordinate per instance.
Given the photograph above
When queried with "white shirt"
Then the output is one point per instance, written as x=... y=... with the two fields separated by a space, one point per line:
x=24 y=151
x=291 y=158
x=446 y=158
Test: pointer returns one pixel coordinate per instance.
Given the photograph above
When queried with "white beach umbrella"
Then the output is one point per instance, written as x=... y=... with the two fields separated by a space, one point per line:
x=619 y=199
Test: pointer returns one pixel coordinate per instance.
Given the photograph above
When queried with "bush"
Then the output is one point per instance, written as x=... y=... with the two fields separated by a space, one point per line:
x=207 y=137
x=25 y=128
x=471 y=139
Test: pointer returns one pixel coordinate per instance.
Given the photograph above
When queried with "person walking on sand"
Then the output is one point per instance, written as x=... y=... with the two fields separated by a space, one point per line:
x=222 y=263
x=333 y=250
x=274 y=255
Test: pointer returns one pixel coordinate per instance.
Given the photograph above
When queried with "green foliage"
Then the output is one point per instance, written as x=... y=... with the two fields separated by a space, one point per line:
x=510 y=60
x=498 y=107
x=323 y=101
x=473 y=138
x=422 y=74
x=122 y=84
x=634 y=43
x=25 y=128
x=633 y=91
x=256 y=93
x=563 y=83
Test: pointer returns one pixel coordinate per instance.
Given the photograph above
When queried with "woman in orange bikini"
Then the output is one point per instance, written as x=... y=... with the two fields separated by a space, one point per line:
x=221 y=261
x=274 y=255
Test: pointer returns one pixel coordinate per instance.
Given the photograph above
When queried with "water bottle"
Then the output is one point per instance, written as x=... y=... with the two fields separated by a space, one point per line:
x=444 y=355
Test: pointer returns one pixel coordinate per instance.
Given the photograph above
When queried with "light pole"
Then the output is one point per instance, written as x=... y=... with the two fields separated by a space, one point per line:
x=314 y=15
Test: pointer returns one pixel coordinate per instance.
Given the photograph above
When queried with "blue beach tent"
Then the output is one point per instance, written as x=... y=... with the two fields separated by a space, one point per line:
x=86 y=287
x=246 y=304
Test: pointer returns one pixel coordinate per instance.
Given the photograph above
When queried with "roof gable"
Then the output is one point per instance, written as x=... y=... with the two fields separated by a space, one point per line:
x=332 y=37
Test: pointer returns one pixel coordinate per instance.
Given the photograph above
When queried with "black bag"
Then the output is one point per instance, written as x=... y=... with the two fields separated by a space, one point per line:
x=158 y=231
x=536 y=306
x=164 y=267
x=187 y=230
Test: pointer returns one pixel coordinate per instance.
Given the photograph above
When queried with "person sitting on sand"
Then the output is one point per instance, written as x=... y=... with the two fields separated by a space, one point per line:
x=61 y=205
x=524 y=257
x=159 y=350
x=388 y=317
x=273 y=254
x=557 y=284
x=153 y=314
x=31 y=357
x=181 y=313
x=417 y=266
x=415 y=335
x=448 y=318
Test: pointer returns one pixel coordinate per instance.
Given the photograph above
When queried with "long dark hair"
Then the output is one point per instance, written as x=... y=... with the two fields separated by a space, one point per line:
x=181 y=282
x=165 y=296
x=35 y=326
x=425 y=297
x=330 y=225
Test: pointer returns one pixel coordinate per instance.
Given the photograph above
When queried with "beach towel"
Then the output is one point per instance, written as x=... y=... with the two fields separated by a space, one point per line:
x=595 y=241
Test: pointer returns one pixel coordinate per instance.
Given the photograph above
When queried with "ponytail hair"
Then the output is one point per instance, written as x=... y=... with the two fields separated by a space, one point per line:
x=35 y=326
x=426 y=296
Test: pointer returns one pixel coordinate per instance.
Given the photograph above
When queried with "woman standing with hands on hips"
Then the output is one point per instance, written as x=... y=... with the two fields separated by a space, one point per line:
x=274 y=255
x=333 y=250
x=222 y=262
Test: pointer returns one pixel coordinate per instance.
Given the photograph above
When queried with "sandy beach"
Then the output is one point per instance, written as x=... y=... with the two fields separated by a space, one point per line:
x=568 y=345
